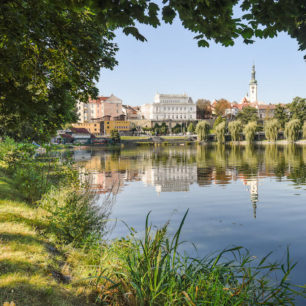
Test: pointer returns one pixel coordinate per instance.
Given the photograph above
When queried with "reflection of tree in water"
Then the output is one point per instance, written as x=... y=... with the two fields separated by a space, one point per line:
x=250 y=161
x=275 y=163
x=296 y=160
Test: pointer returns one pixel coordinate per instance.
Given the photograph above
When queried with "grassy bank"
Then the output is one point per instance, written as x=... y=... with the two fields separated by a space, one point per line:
x=54 y=252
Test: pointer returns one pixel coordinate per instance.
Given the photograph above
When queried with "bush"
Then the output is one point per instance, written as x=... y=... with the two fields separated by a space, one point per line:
x=190 y=128
x=292 y=130
x=202 y=130
x=235 y=128
x=271 y=129
x=75 y=216
x=249 y=131
x=220 y=132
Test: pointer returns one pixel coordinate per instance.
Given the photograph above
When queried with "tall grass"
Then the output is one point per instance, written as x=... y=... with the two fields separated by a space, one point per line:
x=154 y=272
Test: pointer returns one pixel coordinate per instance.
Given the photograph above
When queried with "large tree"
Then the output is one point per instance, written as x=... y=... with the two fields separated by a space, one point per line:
x=51 y=51
x=298 y=109
x=281 y=114
x=220 y=107
x=203 y=109
x=248 y=114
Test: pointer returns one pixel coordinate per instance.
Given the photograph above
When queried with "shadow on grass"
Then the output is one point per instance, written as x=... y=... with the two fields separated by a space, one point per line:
x=24 y=292
x=11 y=217
x=21 y=238
x=8 y=266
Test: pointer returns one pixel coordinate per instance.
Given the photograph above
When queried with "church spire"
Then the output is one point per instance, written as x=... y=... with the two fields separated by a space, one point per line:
x=253 y=78
x=253 y=86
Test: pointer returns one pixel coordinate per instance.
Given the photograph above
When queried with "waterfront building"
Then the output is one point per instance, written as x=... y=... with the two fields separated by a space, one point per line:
x=120 y=125
x=92 y=127
x=98 y=108
x=170 y=107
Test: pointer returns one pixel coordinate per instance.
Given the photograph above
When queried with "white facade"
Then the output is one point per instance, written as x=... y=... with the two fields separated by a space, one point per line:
x=170 y=107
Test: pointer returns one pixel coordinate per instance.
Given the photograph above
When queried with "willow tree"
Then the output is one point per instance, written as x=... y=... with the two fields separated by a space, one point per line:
x=202 y=130
x=304 y=130
x=249 y=131
x=271 y=129
x=235 y=128
x=292 y=130
x=220 y=132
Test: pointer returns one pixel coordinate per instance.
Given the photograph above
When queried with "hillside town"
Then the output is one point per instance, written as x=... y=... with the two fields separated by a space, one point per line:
x=169 y=114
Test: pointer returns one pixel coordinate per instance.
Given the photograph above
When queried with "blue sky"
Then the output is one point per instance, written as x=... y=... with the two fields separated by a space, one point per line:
x=171 y=62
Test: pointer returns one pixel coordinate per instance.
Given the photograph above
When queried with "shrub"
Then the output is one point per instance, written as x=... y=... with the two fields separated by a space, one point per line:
x=292 y=130
x=235 y=128
x=271 y=129
x=220 y=132
x=190 y=128
x=249 y=131
x=75 y=216
x=202 y=130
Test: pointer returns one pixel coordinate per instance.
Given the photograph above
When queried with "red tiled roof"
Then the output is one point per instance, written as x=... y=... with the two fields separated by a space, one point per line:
x=79 y=130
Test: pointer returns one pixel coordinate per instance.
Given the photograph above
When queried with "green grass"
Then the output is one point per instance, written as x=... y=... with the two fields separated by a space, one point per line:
x=135 y=137
x=175 y=137
x=26 y=265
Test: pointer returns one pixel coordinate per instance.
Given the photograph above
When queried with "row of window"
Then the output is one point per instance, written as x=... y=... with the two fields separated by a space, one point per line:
x=173 y=108
x=174 y=117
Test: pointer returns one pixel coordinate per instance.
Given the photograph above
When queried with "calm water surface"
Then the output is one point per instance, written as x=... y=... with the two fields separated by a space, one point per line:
x=244 y=196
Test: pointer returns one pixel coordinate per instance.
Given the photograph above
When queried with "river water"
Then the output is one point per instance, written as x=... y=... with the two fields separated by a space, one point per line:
x=237 y=196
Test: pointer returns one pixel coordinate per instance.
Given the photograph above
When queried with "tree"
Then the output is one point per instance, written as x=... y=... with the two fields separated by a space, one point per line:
x=190 y=128
x=220 y=132
x=304 y=130
x=220 y=107
x=271 y=128
x=51 y=51
x=249 y=131
x=280 y=113
x=218 y=121
x=298 y=109
x=50 y=57
x=203 y=109
x=248 y=114
x=202 y=130
x=164 y=129
x=235 y=128
x=292 y=130
x=115 y=136
x=177 y=129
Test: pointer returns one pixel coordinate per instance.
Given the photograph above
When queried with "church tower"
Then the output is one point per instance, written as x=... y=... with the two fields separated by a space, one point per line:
x=253 y=87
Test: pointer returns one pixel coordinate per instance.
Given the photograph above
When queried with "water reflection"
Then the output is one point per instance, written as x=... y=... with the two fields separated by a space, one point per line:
x=175 y=169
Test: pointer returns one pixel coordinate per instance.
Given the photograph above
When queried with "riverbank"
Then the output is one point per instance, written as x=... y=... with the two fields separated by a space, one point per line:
x=54 y=255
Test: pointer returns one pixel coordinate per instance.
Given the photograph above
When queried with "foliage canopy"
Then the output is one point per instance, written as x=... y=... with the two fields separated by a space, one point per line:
x=51 y=52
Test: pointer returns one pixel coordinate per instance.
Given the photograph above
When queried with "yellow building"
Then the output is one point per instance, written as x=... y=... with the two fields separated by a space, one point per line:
x=107 y=126
x=92 y=127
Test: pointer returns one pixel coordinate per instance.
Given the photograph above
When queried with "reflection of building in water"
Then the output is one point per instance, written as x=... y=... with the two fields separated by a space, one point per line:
x=173 y=178
x=252 y=185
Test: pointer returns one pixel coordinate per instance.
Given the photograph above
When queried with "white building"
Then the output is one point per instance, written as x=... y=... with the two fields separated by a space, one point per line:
x=170 y=107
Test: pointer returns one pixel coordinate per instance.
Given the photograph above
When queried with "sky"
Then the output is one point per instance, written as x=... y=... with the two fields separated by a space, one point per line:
x=170 y=62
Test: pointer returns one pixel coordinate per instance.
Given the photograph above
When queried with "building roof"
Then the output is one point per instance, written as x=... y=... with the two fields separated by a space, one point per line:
x=79 y=130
